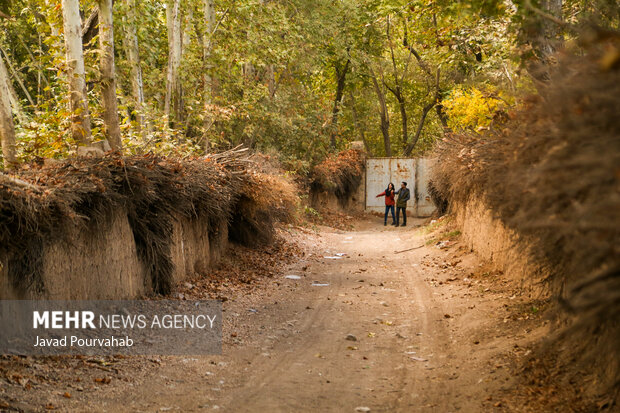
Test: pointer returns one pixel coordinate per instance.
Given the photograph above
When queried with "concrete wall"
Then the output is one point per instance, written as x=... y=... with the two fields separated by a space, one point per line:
x=414 y=171
x=104 y=263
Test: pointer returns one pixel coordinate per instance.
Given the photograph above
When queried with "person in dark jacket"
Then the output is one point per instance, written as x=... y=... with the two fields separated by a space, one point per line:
x=401 y=203
x=389 y=203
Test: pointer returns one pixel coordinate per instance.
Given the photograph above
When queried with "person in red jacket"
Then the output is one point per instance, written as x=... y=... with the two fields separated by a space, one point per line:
x=389 y=203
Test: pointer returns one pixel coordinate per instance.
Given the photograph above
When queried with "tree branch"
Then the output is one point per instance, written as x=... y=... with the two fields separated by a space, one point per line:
x=394 y=92
x=545 y=15
x=4 y=178
x=425 y=111
x=16 y=76
x=418 y=131
x=90 y=28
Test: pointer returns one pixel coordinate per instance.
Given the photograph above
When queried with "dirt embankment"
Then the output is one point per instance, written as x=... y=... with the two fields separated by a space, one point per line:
x=335 y=183
x=539 y=195
x=123 y=227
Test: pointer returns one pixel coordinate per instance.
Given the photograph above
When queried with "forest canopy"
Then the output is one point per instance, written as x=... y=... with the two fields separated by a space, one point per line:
x=301 y=78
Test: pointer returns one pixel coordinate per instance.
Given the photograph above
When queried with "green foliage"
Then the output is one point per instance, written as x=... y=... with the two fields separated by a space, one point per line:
x=275 y=67
x=311 y=212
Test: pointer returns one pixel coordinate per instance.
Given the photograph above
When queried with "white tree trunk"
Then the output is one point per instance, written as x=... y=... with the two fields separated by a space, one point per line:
x=132 y=52
x=56 y=44
x=108 y=74
x=80 y=119
x=7 y=129
x=15 y=105
x=188 y=21
x=271 y=80
x=17 y=78
x=551 y=31
x=207 y=44
x=173 y=17
x=269 y=71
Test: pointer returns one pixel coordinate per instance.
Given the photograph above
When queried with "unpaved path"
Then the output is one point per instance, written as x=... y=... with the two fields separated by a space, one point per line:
x=428 y=339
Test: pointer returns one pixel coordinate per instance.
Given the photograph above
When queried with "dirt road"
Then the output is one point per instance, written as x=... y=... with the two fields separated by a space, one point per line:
x=368 y=330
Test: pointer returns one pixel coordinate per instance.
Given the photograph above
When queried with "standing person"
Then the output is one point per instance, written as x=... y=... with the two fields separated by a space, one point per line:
x=401 y=202
x=389 y=203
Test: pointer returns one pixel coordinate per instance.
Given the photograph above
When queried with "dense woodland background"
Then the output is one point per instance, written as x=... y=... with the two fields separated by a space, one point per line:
x=300 y=78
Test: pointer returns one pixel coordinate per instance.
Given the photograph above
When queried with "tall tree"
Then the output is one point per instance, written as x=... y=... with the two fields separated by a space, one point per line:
x=172 y=101
x=17 y=77
x=132 y=54
x=357 y=125
x=397 y=89
x=436 y=93
x=427 y=108
x=341 y=76
x=7 y=129
x=15 y=104
x=208 y=7
x=78 y=98
x=108 y=74
x=545 y=39
x=550 y=33
x=384 y=113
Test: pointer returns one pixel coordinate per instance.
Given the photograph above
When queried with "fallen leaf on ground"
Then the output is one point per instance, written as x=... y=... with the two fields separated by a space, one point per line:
x=104 y=380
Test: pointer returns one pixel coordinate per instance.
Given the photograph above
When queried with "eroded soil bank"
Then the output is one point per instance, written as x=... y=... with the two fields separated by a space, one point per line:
x=431 y=329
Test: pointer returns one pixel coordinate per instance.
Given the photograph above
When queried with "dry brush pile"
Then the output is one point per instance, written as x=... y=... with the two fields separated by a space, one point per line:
x=552 y=173
x=42 y=203
x=340 y=174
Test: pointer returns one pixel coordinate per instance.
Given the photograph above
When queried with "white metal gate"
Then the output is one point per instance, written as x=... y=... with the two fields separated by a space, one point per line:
x=414 y=171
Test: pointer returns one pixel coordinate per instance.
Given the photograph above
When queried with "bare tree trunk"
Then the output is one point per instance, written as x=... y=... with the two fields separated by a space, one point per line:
x=425 y=111
x=397 y=90
x=357 y=125
x=17 y=78
x=90 y=28
x=15 y=105
x=403 y=119
x=55 y=46
x=7 y=129
x=341 y=76
x=187 y=29
x=173 y=17
x=545 y=42
x=186 y=39
x=207 y=44
x=80 y=117
x=383 y=114
x=271 y=80
x=550 y=31
x=108 y=74
x=249 y=71
x=439 y=108
x=132 y=51
x=418 y=132
x=441 y=113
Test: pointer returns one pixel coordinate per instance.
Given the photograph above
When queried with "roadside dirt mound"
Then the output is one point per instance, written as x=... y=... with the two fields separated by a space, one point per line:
x=551 y=174
x=340 y=174
x=41 y=204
